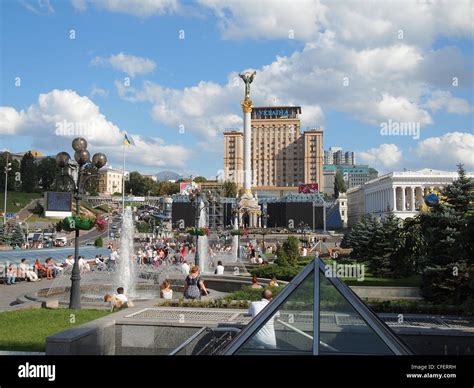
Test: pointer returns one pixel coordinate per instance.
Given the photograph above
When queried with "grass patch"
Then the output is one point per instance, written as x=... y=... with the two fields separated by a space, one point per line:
x=17 y=201
x=26 y=330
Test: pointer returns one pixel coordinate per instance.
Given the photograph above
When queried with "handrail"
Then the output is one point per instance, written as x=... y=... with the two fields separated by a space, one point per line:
x=296 y=330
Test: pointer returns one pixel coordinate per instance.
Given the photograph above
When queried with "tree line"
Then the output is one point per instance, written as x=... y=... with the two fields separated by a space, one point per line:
x=438 y=244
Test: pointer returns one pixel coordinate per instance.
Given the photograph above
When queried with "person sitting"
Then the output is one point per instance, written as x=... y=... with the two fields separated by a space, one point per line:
x=165 y=290
x=255 y=283
x=11 y=275
x=185 y=268
x=49 y=267
x=121 y=297
x=100 y=264
x=69 y=263
x=114 y=302
x=83 y=265
x=219 y=269
x=194 y=286
x=260 y=260
x=26 y=273
x=40 y=269
x=273 y=282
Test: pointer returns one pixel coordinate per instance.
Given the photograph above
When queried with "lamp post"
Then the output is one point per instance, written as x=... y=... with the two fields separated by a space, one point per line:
x=7 y=168
x=82 y=160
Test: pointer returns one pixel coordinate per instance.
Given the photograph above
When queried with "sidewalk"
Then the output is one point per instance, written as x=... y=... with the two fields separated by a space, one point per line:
x=9 y=294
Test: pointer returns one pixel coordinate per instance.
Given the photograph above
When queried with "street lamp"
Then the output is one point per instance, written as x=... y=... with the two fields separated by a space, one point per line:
x=8 y=167
x=82 y=160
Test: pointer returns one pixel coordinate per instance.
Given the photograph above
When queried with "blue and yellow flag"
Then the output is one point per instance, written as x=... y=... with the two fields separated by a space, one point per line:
x=128 y=140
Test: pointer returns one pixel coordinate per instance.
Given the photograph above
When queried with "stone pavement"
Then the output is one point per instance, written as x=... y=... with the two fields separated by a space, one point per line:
x=9 y=294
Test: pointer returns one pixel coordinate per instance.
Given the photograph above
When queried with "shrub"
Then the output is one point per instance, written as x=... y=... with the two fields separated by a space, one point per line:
x=281 y=272
x=249 y=293
x=99 y=242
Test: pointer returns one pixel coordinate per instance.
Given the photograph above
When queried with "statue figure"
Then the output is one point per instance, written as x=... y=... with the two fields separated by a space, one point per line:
x=248 y=78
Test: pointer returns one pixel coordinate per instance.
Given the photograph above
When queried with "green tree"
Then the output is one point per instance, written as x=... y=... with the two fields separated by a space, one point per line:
x=3 y=234
x=200 y=179
x=448 y=230
x=339 y=184
x=386 y=242
x=99 y=242
x=288 y=253
x=28 y=170
x=17 y=236
x=229 y=189
x=167 y=188
x=13 y=175
x=47 y=172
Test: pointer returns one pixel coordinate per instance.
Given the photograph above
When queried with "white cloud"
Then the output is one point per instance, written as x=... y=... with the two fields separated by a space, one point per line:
x=60 y=115
x=79 y=5
x=140 y=8
x=445 y=100
x=39 y=7
x=268 y=19
x=360 y=24
x=401 y=110
x=447 y=150
x=385 y=156
x=96 y=91
x=130 y=64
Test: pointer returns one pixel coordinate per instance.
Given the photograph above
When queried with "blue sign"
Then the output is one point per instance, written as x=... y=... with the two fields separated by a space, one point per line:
x=10 y=216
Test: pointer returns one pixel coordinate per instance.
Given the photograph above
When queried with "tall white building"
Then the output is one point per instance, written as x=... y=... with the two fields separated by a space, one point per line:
x=400 y=192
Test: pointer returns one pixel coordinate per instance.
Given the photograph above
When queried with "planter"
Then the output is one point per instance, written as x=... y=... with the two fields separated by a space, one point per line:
x=198 y=231
x=77 y=223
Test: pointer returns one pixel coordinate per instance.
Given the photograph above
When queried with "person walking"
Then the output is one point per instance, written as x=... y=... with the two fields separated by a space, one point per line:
x=194 y=286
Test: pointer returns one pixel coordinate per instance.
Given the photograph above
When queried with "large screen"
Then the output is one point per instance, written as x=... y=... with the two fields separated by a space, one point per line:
x=58 y=202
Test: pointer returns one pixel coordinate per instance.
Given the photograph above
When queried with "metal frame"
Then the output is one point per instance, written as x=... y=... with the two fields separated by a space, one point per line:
x=317 y=266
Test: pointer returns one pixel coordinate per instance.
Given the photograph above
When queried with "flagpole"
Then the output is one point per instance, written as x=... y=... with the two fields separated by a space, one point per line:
x=123 y=180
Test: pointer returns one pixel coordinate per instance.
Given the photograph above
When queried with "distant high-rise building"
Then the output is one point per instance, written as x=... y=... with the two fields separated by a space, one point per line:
x=282 y=155
x=349 y=158
x=329 y=155
x=335 y=155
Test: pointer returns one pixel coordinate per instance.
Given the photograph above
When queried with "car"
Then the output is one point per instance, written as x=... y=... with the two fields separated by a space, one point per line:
x=89 y=243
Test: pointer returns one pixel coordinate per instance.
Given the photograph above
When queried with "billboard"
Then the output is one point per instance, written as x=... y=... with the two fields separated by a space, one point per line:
x=186 y=187
x=308 y=188
x=57 y=204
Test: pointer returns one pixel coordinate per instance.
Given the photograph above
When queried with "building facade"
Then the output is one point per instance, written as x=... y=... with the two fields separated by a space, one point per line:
x=281 y=154
x=400 y=192
x=110 y=181
x=335 y=155
x=354 y=175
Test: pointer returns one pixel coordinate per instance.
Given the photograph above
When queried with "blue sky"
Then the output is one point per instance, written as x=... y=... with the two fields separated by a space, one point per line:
x=183 y=93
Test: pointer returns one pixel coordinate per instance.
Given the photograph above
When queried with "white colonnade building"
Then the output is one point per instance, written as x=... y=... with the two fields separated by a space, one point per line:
x=400 y=192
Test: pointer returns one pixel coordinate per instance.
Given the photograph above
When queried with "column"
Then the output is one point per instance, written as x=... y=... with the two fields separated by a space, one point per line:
x=413 y=190
x=394 y=198
x=403 y=207
x=247 y=109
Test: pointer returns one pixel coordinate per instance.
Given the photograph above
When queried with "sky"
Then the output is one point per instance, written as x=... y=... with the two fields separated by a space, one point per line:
x=390 y=80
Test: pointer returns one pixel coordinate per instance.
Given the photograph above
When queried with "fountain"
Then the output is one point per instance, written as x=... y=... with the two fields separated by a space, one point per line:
x=235 y=240
x=125 y=275
x=203 y=243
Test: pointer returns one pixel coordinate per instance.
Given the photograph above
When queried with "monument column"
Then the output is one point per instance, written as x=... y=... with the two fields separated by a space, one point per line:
x=247 y=110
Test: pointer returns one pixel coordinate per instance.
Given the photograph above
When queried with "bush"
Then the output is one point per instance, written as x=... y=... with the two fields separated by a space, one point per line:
x=288 y=253
x=249 y=293
x=281 y=272
x=99 y=242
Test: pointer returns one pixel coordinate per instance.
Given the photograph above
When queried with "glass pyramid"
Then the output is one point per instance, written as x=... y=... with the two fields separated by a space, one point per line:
x=344 y=325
